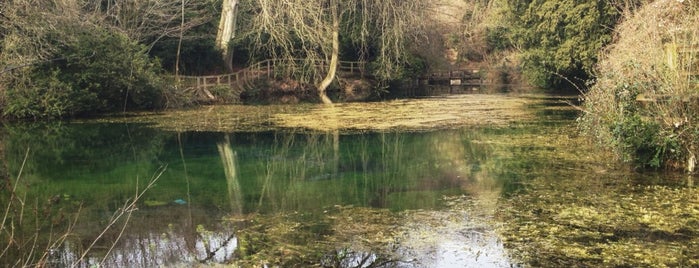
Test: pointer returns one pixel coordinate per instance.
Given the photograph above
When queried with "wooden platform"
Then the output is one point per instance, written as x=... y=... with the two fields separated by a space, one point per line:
x=461 y=77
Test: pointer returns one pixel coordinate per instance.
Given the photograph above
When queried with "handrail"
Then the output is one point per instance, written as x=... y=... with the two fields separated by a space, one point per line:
x=265 y=67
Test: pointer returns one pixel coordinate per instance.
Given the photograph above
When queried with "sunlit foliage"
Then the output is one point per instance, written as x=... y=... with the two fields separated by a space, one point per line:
x=559 y=40
x=644 y=102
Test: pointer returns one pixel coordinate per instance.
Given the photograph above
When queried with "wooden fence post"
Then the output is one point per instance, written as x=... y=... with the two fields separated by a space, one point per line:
x=269 y=68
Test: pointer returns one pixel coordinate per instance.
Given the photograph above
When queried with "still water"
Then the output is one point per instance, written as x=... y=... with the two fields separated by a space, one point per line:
x=283 y=197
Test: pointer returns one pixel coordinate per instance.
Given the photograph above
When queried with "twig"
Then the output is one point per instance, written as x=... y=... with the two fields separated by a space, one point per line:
x=121 y=233
x=128 y=208
x=63 y=237
x=9 y=204
x=36 y=237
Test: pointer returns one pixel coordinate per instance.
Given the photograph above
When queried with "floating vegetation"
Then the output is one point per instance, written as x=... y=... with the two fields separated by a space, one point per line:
x=346 y=236
x=521 y=187
x=413 y=114
x=449 y=112
x=603 y=223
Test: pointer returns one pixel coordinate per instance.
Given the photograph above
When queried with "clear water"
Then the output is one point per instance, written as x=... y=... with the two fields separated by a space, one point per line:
x=415 y=199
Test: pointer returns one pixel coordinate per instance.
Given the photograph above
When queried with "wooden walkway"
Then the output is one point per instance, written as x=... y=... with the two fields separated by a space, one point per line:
x=461 y=77
x=201 y=86
x=268 y=69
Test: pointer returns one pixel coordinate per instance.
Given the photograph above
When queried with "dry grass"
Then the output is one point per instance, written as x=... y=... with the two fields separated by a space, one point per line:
x=642 y=65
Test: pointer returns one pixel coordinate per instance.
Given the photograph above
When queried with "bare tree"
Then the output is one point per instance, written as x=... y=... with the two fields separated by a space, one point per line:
x=28 y=30
x=310 y=30
x=148 y=21
x=32 y=30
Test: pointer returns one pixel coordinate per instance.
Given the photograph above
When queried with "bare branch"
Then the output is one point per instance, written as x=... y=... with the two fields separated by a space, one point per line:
x=293 y=29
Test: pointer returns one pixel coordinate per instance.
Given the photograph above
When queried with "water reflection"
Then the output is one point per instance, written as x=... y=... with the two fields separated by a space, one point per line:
x=154 y=238
x=218 y=185
x=212 y=175
x=427 y=199
x=229 y=159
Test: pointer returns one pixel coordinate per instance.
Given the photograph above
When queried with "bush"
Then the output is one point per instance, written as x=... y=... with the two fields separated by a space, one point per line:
x=414 y=66
x=497 y=38
x=559 y=40
x=646 y=143
x=411 y=67
x=225 y=94
x=100 y=72
x=644 y=103
x=48 y=96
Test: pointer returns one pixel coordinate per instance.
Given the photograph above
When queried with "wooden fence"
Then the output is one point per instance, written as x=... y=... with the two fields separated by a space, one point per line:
x=264 y=69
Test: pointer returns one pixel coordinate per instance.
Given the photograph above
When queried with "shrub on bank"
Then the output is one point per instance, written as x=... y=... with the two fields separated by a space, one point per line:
x=97 y=71
x=645 y=102
x=558 y=41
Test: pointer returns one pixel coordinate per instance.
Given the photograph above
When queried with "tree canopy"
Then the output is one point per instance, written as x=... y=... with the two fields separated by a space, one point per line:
x=560 y=40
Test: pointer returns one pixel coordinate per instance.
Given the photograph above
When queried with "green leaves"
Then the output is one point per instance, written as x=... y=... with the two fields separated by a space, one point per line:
x=560 y=40
x=101 y=71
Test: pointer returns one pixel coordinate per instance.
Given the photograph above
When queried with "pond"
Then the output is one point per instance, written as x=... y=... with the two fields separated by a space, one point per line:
x=454 y=181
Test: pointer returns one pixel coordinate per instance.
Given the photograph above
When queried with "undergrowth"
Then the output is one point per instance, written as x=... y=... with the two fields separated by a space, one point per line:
x=645 y=102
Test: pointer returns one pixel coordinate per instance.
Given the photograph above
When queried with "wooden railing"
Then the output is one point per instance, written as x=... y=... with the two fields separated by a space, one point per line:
x=455 y=77
x=264 y=69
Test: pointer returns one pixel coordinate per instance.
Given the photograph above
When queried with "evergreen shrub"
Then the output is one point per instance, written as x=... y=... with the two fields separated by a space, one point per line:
x=98 y=71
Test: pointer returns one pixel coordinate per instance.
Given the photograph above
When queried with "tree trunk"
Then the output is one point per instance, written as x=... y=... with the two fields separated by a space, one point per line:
x=226 y=31
x=332 y=69
x=179 y=44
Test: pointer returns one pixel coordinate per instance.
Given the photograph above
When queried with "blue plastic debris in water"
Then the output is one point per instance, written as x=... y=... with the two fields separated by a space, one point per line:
x=180 y=202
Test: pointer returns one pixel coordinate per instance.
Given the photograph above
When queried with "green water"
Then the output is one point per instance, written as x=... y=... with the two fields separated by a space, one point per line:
x=448 y=198
x=101 y=166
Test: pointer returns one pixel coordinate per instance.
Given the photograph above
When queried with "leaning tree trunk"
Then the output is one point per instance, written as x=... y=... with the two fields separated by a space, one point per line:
x=226 y=31
x=332 y=69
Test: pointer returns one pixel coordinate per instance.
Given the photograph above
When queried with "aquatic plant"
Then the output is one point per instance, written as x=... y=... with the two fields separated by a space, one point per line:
x=602 y=223
x=452 y=112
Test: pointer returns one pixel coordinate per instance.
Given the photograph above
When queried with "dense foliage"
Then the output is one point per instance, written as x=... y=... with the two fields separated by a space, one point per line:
x=644 y=103
x=99 y=72
x=77 y=58
x=559 y=40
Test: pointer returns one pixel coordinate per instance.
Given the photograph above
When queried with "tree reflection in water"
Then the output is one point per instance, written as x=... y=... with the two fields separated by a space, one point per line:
x=279 y=197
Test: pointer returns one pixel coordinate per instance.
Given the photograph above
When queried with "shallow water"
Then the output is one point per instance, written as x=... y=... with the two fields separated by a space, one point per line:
x=440 y=198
